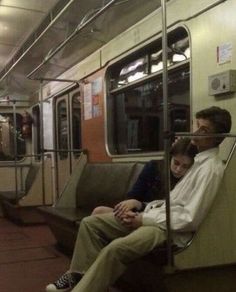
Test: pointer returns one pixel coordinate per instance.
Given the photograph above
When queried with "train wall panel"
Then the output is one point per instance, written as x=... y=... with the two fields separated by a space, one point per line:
x=93 y=128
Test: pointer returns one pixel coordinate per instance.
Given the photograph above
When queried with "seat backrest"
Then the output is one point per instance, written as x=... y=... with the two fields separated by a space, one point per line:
x=103 y=184
x=135 y=173
x=67 y=198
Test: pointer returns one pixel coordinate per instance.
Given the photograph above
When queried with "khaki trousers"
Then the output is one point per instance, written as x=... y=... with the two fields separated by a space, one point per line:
x=104 y=248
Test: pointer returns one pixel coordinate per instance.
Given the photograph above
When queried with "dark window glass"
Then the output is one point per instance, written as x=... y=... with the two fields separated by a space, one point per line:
x=62 y=121
x=76 y=123
x=36 y=130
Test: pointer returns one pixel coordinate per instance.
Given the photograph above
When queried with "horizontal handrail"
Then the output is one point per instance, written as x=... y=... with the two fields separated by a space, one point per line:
x=217 y=135
x=64 y=150
x=15 y=165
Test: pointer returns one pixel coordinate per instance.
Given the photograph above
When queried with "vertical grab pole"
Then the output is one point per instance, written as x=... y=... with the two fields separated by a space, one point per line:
x=42 y=141
x=166 y=135
x=15 y=146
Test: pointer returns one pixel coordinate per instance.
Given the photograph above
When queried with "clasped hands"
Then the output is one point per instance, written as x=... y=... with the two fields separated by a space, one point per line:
x=124 y=213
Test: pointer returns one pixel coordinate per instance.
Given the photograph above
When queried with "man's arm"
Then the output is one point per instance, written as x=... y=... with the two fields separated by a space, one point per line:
x=190 y=200
x=189 y=216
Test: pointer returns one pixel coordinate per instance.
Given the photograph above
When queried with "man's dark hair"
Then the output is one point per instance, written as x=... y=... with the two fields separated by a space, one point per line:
x=220 y=119
x=183 y=146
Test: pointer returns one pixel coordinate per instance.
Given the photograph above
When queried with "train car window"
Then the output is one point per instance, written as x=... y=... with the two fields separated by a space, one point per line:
x=36 y=132
x=178 y=51
x=63 y=129
x=133 y=71
x=135 y=102
x=76 y=122
x=7 y=137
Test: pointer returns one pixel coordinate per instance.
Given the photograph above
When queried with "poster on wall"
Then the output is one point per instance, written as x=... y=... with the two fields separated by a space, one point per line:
x=92 y=99
x=87 y=101
x=96 y=97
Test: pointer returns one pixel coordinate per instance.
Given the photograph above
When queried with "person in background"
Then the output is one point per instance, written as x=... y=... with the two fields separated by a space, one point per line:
x=149 y=184
x=106 y=244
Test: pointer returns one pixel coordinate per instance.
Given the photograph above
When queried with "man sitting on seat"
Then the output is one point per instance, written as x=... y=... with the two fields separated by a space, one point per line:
x=107 y=243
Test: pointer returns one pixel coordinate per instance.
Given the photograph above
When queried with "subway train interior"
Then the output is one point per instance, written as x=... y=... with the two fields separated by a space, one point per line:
x=90 y=91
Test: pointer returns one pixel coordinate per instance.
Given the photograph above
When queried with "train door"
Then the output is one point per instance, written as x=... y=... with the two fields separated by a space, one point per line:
x=68 y=136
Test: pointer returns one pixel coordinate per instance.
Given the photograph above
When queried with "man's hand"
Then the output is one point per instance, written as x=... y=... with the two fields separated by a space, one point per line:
x=131 y=219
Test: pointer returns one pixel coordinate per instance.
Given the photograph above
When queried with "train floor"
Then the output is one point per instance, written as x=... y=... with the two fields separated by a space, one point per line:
x=28 y=258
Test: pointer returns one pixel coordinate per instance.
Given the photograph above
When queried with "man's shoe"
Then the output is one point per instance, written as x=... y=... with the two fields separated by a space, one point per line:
x=65 y=283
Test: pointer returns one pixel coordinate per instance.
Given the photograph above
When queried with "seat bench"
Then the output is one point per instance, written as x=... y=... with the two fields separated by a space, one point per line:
x=90 y=185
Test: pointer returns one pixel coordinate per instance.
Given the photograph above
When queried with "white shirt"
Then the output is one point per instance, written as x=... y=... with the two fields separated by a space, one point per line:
x=191 y=198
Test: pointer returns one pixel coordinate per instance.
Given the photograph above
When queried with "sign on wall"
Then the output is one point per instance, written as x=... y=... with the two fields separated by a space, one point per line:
x=224 y=53
x=92 y=99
